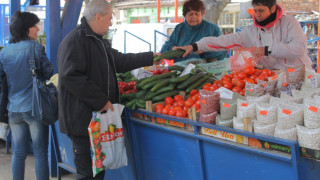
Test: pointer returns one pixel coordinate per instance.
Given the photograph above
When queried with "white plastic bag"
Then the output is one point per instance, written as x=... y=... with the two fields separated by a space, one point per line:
x=4 y=130
x=107 y=140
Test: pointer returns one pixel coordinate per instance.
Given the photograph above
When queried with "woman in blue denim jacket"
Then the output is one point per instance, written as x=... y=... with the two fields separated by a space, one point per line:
x=14 y=63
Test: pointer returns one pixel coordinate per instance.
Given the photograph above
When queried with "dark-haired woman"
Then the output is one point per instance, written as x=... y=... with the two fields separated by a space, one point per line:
x=278 y=39
x=193 y=29
x=14 y=63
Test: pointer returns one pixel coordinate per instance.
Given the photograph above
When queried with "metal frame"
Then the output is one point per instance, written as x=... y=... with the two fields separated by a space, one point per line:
x=125 y=40
x=155 y=38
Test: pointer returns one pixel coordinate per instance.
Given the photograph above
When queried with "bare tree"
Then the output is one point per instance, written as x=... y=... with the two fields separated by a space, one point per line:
x=214 y=9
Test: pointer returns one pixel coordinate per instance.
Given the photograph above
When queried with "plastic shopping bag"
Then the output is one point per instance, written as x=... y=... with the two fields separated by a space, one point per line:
x=241 y=59
x=107 y=140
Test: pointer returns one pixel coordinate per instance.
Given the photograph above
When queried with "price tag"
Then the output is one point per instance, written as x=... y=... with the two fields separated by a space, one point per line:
x=286 y=111
x=225 y=93
x=274 y=77
x=310 y=76
x=143 y=74
x=314 y=82
x=285 y=84
x=226 y=105
x=291 y=70
x=263 y=113
x=244 y=104
x=187 y=70
x=203 y=101
x=313 y=109
x=265 y=85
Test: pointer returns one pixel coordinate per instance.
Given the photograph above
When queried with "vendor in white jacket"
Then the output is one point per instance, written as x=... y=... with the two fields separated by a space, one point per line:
x=278 y=39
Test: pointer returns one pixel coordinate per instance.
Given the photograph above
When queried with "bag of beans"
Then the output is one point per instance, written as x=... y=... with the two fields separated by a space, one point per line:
x=289 y=115
x=246 y=109
x=228 y=108
x=208 y=118
x=288 y=88
x=209 y=101
x=311 y=113
x=295 y=75
x=269 y=87
x=266 y=129
x=311 y=79
x=266 y=113
x=290 y=134
x=225 y=123
x=308 y=138
x=261 y=99
x=254 y=89
x=280 y=78
x=287 y=97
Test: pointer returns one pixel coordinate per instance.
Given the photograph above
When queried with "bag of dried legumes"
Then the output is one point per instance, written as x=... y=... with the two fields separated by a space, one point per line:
x=208 y=118
x=261 y=99
x=289 y=115
x=311 y=113
x=287 y=97
x=266 y=129
x=254 y=89
x=288 y=88
x=266 y=113
x=311 y=79
x=228 y=108
x=225 y=123
x=309 y=138
x=209 y=101
x=275 y=101
x=290 y=134
x=280 y=78
x=295 y=75
x=269 y=87
x=246 y=109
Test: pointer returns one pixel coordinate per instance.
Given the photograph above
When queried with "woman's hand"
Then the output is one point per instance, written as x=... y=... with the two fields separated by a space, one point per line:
x=188 y=49
x=258 y=51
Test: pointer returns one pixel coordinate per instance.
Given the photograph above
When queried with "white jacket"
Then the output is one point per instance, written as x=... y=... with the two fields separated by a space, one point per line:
x=284 y=37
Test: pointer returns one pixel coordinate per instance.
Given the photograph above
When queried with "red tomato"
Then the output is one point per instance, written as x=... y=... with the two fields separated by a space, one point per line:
x=242 y=92
x=206 y=86
x=172 y=107
x=168 y=100
x=193 y=92
x=236 y=89
x=197 y=106
x=266 y=72
x=185 y=108
x=159 y=110
x=242 y=75
x=226 y=78
x=188 y=103
x=178 y=108
x=213 y=87
x=177 y=97
x=257 y=72
x=172 y=112
x=165 y=110
x=249 y=70
x=228 y=85
x=263 y=77
x=249 y=80
x=241 y=84
x=234 y=81
x=253 y=77
x=181 y=103
x=175 y=103
x=181 y=113
x=272 y=74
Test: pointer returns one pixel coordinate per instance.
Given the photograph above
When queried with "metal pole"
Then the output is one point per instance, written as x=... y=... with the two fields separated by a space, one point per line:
x=158 y=11
x=176 y=11
x=318 y=54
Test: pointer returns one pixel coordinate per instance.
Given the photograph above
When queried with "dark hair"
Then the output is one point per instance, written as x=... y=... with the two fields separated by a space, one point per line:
x=195 y=5
x=268 y=3
x=20 y=24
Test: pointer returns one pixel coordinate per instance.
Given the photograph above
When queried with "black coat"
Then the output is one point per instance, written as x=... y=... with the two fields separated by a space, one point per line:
x=87 y=81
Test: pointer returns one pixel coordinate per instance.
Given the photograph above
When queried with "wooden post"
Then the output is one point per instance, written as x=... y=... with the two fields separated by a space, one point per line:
x=192 y=113
x=246 y=122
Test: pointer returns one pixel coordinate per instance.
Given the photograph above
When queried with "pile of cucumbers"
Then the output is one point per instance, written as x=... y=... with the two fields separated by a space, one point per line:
x=156 y=88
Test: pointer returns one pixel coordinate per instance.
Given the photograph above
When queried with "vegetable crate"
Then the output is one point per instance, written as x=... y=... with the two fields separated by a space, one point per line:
x=211 y=152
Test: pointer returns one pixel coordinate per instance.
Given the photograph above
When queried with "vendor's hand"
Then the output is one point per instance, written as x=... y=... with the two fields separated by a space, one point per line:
x=258 y=51
x=188 y=49
x=107 y=107
x=156 y=54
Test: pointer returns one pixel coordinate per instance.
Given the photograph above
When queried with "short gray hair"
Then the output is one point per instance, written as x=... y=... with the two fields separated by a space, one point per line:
x=94 y=7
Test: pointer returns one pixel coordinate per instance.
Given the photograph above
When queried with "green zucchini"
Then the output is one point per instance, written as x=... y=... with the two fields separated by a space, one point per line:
x=198 y=83
x=161 y=97
x=149 y=85
x=167 y=88
x=170 y=55
x=128 y=96
x=180 y=79
x=150 y=95
x=131 y=103
x=141 y=104
x=156 y=77
x=191 y=80
x=160 y=84
x=141 y=93
x=176 y=67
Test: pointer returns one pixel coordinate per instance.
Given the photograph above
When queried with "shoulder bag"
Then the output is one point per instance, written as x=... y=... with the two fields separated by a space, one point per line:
x=44 y=96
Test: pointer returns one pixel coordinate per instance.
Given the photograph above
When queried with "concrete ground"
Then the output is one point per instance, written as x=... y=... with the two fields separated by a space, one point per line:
x=5 y=166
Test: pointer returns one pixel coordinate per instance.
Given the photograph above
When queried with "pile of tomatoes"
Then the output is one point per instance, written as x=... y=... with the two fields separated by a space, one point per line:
x=236 y=81
x=126 y=88
x=177 y=106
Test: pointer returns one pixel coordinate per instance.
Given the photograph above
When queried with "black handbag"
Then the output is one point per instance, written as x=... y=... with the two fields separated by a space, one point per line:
x=44 y=97
x=4 y=101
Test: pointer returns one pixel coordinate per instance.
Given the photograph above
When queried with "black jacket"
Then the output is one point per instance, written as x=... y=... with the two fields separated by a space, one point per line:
x=87 y=65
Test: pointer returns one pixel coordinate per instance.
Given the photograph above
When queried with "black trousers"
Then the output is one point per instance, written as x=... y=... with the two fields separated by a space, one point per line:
x=82 y=158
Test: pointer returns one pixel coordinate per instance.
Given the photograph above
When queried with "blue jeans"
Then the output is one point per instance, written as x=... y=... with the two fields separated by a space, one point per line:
x=23 y=125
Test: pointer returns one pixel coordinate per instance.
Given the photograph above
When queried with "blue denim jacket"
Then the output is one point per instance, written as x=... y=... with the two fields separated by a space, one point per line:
x=14 y=62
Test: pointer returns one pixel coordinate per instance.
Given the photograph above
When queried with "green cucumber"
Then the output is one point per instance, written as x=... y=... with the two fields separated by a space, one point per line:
x=131 y=103
x=160 y=84
x=141 y=93
x=170 y=55
x=156 y=77
x=180 y=79
x=191 y=80
x=167 y=88
x=128 y=96
x=161 y=97
x=176 y=67
x=141 y=104
x=198 y=83
x=149 y=85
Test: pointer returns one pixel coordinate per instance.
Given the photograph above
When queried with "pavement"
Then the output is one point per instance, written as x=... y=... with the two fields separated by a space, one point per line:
x=5 y=166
